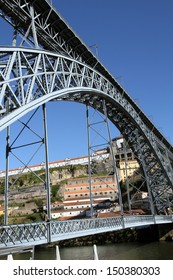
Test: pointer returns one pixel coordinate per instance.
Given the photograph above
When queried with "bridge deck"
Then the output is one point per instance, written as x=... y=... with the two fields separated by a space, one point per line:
x=42 y=233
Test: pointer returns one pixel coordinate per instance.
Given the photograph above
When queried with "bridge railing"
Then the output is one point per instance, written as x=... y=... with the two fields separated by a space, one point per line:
x=128 y=220
x=60 y=227
x=163 y=218
x=147 y=219
x=22 y=233
x=16 y=235
x=44 y=232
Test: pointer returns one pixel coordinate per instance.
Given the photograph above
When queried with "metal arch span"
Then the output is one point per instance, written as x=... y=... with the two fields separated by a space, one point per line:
x=31 y=77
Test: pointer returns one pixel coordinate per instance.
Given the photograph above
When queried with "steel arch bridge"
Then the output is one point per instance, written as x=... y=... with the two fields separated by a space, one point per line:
x=52 y=63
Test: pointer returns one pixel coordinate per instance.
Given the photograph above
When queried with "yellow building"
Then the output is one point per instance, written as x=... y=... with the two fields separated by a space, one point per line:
x=128 y=168
x=2 y=210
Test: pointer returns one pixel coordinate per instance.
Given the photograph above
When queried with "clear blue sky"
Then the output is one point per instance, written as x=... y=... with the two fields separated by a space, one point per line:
x=134 y=40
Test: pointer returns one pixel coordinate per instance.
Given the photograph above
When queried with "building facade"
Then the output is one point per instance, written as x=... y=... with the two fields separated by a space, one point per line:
x=102 y=186
x=79 y=197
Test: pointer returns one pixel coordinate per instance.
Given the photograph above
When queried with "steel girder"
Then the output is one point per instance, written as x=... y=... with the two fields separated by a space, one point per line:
x=52 y=32
x=41 y=26
x=37 y=233
x=30 y=77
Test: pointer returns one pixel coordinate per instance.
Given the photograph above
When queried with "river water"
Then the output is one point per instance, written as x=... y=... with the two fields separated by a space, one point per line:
x=122 y=251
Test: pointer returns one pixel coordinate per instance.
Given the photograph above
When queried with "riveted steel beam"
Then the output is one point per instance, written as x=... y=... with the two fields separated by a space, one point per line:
x=46 y=76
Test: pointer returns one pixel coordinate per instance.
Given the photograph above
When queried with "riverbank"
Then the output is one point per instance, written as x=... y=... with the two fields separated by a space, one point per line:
x=143 y=235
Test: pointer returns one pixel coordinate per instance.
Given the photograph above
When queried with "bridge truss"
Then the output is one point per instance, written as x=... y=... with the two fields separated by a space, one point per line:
x=47 y=61
x=41 y=233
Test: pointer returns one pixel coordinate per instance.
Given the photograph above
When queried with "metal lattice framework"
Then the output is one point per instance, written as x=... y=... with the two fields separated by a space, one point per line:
x=52 y=63
x=30 y=78
x=37 y=233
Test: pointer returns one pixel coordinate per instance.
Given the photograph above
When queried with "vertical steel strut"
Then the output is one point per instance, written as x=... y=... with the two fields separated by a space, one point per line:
x=6 y=176
x=127 y=179
x=89 y=160
x=146 y=177
x=10 y=148
x=6 y=169
x=107 y=137
x=47 y=181
x=34 y=28
x=116 y=177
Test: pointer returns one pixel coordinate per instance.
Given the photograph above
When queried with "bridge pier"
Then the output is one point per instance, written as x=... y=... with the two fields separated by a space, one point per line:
x=58 y=257
x=95 y=253
x=10 y=257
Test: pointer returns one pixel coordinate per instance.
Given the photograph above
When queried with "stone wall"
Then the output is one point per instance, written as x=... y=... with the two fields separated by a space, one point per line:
x=67 y=172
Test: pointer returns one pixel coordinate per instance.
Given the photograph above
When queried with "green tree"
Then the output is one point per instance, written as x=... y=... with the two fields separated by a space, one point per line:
x=72 y=170
x=2 y=188
x=1 y=219
x=39 y=203
x=55 y=193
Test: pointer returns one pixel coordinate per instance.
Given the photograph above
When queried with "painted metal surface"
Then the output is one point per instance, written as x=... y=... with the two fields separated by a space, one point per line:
x=36 y=233
x=57 y=65
x=46 y=76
